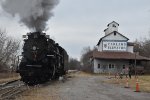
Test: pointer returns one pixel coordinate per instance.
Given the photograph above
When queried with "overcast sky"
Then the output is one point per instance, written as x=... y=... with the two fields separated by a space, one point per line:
x=80 y=23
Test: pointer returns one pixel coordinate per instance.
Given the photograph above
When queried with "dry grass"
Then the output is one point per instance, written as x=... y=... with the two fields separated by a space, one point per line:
x=40 y=93
x=84 y=74
x=78 y=74
x=5 y=77
x=143 y=81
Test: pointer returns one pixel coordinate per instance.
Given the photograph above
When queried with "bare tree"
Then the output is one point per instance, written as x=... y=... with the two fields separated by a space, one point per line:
x=74 y=64
x=2 y=42
x=11 y=48
x=8 y=48
x=85 y=55
x=143 y=47
x=85 y=58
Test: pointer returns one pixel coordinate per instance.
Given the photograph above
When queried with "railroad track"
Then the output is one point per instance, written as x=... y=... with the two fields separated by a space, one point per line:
x=8 y=90
x=7 y=83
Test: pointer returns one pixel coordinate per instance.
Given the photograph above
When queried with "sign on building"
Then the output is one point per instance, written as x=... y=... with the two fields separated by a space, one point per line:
x=114 y=46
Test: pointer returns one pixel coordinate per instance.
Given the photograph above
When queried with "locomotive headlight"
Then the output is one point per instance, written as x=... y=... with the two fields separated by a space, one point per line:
x=34 y=48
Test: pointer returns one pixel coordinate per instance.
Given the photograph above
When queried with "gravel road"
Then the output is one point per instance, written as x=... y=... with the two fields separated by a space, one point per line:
x=82 y=88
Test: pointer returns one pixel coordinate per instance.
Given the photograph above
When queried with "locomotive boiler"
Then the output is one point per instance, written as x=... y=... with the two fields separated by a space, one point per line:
x=42 y=59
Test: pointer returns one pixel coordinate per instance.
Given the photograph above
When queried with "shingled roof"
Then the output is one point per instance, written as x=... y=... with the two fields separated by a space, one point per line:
x=110 y=34
x=118 y=55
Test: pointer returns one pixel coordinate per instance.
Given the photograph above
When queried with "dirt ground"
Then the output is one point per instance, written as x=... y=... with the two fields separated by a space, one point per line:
x=81 y=87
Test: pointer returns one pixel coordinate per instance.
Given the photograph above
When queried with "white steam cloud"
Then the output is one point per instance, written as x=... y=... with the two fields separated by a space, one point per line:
x=33 y=13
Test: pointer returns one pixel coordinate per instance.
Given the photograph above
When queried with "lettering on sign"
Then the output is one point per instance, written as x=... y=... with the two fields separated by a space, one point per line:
x=114 y=46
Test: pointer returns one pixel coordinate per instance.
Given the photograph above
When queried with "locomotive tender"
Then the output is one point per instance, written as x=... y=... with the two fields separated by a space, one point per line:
x=42 y=59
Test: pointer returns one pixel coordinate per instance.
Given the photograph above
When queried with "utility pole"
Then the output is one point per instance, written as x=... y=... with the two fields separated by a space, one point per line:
x=135 y=66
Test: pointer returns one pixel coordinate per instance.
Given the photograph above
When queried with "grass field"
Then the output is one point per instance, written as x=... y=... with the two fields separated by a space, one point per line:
x=143 y=81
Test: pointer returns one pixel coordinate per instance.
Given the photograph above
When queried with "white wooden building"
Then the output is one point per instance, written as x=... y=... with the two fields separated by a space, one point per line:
x=114 y=53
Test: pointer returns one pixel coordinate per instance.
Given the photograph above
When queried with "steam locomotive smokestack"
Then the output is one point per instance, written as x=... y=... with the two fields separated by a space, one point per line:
x=33 y=13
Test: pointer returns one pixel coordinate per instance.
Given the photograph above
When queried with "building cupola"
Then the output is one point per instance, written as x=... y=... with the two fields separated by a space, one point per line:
x=113 y=26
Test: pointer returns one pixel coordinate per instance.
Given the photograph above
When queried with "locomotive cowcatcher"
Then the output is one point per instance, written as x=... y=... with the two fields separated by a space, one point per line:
x=42 y=59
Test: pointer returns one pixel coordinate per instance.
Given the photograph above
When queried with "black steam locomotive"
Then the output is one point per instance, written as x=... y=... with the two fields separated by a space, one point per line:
x=42 y=59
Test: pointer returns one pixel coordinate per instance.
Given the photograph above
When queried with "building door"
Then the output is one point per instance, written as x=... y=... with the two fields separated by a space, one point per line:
x=111 y=68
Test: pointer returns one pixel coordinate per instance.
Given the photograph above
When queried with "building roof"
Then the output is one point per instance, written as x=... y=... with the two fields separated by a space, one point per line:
x=110 y=34
x=130 y=43
x=118 y=55
x=105 y=29
x=113 y=22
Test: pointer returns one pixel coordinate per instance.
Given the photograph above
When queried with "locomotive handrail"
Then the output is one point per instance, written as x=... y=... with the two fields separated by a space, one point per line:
x=50 y=55
x=58 y=54
x=18 y=62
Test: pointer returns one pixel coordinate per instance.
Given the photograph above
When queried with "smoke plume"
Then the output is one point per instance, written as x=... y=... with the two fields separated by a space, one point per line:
x=33 y=13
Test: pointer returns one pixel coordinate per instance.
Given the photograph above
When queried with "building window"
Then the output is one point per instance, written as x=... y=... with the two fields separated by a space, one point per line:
x=115 y=33
x=99 y=66
x=109 y=66
x=112 y=66
x=113 y=25
x=123 y=67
